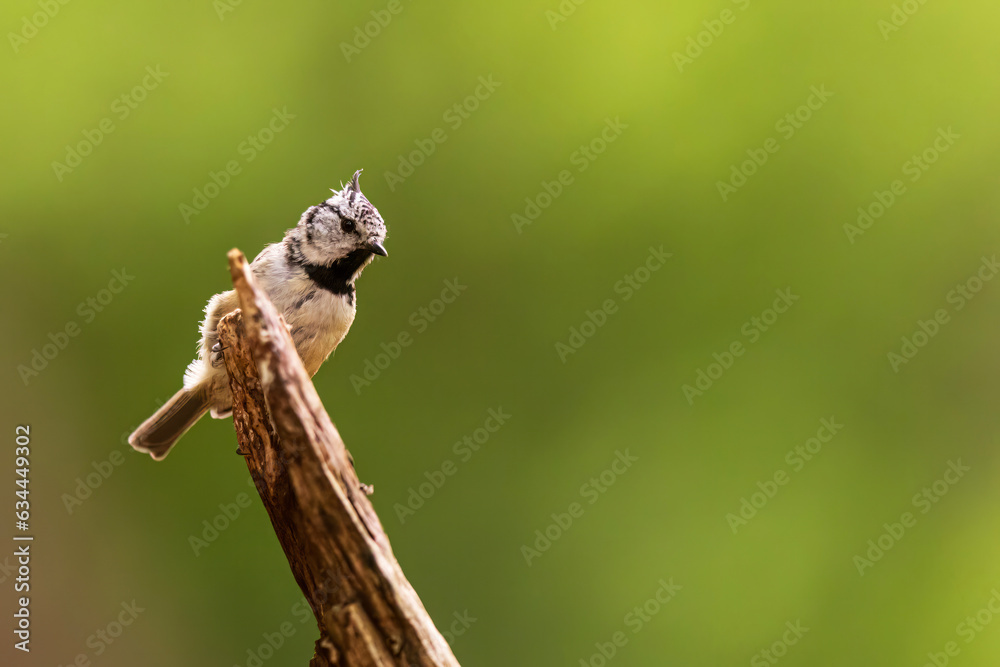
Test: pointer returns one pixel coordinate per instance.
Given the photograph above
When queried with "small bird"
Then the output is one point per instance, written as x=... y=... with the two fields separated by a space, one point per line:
x=309 y=276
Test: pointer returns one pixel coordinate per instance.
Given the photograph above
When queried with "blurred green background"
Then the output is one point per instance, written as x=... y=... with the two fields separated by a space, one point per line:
x=226 y=67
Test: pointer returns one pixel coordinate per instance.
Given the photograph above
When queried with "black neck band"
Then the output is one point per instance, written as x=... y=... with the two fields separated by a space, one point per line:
x=338 y=277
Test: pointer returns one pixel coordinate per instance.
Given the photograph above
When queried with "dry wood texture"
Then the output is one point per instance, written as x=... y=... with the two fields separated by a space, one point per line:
x=368 y=614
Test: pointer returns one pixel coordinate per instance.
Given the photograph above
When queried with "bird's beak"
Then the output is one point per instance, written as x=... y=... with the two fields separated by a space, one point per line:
x=377 y=248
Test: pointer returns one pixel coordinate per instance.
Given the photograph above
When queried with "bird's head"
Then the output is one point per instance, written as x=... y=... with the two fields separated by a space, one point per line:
x=345 y=231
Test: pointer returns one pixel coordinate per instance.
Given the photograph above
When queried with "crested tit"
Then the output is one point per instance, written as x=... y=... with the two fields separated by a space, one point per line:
x=309 y=276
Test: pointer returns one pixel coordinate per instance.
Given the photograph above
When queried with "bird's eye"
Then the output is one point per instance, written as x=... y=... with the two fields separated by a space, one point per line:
x=347 y=225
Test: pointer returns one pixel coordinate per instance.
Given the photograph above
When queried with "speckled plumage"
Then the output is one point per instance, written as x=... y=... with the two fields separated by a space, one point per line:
x=309 y=276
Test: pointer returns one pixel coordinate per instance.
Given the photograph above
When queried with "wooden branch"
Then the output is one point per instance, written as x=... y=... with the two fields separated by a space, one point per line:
x=367 y=612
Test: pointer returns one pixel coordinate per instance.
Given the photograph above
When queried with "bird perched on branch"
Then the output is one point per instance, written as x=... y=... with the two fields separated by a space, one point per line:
x=309 y=276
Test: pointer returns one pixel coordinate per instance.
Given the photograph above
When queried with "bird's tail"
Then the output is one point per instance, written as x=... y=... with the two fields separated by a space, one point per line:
x=158 y=434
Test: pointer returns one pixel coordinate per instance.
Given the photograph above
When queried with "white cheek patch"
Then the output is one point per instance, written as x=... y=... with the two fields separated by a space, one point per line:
x=322 y=247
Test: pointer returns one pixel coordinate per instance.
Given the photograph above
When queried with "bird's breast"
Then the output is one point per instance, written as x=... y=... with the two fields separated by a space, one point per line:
x=319 y=321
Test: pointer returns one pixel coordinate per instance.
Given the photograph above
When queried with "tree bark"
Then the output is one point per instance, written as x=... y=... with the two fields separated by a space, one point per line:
x=367 y=612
